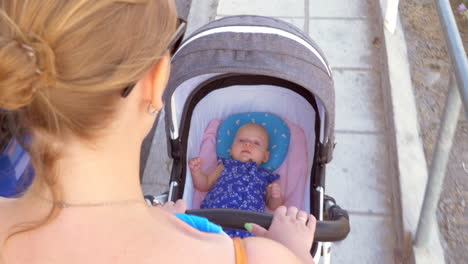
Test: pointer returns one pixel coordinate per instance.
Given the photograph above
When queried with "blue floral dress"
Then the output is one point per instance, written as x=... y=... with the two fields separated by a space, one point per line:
x=241 y=185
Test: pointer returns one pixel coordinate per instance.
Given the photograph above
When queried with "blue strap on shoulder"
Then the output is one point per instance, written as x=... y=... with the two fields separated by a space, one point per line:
x=201 y=223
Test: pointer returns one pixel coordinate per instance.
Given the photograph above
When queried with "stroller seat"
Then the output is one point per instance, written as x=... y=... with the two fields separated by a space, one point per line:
x=293 y=170
x=214 y=107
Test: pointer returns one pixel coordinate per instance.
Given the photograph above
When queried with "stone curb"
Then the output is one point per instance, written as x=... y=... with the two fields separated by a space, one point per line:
x=409 y=164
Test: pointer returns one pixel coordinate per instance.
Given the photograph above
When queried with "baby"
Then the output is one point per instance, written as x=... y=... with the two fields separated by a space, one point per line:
x=240 y=182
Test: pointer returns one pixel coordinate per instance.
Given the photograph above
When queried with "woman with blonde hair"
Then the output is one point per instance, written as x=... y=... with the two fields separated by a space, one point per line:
x=86 y=78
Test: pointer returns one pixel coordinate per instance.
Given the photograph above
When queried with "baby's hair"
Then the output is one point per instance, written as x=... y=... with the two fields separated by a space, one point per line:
x=257 y=126
x=64 y=64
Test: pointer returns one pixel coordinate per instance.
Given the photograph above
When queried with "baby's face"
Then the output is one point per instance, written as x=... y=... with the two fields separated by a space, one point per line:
x=250 y=144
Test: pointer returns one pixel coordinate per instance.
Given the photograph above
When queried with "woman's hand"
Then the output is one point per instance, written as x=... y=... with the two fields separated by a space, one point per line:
x=292 y=228
x=179 y=207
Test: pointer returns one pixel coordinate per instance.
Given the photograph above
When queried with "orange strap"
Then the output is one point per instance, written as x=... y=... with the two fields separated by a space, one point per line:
x=239 y=249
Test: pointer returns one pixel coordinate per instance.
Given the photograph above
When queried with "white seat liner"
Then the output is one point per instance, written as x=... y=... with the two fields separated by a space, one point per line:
x=222 y=103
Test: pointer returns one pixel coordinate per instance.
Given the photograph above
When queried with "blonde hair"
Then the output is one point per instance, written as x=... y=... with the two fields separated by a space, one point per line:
x=64 y=64
x=259 y=128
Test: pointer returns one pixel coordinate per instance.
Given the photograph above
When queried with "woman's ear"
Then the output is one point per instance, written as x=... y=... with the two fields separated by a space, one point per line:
x=156 y=81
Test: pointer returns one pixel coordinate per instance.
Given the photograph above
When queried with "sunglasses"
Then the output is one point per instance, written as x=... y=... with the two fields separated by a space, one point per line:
x=174 y=43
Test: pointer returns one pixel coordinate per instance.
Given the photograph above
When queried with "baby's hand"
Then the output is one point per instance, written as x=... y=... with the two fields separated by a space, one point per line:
x=195 y=165
x=275 y=190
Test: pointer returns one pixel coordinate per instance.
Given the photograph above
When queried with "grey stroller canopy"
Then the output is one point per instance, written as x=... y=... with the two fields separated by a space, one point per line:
x=250 y=45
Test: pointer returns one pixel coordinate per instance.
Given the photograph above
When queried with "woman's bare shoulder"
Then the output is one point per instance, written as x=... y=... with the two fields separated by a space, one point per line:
x=262 y=250
x=7 y=213
x=6 y=202
x=259 y=250
x=7 y=206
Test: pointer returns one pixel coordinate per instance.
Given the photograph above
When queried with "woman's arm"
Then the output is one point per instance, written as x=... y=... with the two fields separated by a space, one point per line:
x=262 y=250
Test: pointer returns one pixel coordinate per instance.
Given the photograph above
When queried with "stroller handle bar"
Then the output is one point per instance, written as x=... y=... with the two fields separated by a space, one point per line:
x=335 y=229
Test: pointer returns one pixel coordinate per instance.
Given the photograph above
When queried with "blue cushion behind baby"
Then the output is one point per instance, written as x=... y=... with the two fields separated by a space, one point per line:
x=277 y=129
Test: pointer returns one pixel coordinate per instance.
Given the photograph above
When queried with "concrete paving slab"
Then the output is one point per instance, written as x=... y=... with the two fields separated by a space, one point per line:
x=357 y=177
x=346 y=43
x=298 y=22
x=359 y=102
x=276 y=8
x=158 y=166
x=338 y=8
x=371 y=240
x=201 y=12
x=154 y=188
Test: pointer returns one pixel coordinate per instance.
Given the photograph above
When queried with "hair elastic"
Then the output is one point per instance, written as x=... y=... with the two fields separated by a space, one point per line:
x=31 y=53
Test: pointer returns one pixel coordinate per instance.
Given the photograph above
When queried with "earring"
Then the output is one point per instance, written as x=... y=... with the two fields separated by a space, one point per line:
x=151 y=110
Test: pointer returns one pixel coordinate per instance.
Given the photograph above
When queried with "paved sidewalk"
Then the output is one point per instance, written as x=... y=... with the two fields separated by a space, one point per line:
x=360 y=177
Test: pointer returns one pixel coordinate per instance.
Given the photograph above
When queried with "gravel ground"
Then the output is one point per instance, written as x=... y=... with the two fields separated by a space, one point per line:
x=430 y=71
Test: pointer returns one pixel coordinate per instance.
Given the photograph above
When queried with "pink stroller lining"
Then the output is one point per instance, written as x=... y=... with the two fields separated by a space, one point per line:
x=293 y=171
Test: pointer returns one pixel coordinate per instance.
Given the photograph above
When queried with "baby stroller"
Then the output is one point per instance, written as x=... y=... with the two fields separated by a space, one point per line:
x=254 y=64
